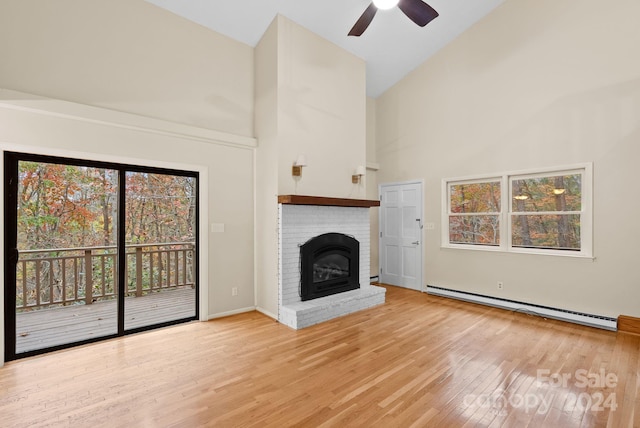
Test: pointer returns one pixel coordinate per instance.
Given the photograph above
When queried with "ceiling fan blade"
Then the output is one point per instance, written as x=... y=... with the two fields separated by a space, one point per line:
x=418 y=11
x=363 y=22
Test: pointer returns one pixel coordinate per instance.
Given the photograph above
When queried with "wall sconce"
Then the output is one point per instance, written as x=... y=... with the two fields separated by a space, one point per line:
x=296 y=170
x=357 y=177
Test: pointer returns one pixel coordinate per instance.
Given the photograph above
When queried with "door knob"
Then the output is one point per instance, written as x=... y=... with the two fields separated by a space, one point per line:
x=416 y=242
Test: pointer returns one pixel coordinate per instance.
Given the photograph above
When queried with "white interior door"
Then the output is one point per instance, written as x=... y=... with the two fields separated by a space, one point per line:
x=401 y=234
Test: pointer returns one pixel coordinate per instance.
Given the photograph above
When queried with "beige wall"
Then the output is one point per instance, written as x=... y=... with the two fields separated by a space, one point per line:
x=226 y=175
x=266 y=184
x=372 y=184
x=310 y=100
x=131 y=56
x=322 y=114
x=537 y=83
x=127 y=55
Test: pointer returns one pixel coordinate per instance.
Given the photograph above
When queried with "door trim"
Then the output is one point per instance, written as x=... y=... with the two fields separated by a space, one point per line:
x=419 y=182
x=203 y=237
x=10 y=161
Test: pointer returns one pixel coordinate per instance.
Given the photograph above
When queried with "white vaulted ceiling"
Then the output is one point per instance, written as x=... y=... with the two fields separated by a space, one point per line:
x=392 y=46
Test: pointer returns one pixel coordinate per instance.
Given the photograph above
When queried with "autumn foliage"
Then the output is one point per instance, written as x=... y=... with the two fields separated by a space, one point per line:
x=544 y=212
x=66 y=206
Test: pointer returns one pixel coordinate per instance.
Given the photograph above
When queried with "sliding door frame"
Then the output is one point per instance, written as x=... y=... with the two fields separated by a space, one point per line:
x=10 y=254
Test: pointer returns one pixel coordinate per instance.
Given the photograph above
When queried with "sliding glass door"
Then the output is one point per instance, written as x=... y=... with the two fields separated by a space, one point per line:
x=95 y=250
x=66 y=254
x=160 y=235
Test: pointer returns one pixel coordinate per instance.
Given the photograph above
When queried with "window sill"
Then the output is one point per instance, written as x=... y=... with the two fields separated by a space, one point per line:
x=489 y=249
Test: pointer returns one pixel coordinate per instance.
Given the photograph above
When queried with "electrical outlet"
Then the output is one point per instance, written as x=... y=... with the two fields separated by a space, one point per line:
x=500 y=285
x=234 y=291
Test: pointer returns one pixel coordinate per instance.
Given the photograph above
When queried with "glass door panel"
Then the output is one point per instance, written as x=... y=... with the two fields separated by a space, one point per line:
x=95 y=250
x=160 y=225
x=66 y=278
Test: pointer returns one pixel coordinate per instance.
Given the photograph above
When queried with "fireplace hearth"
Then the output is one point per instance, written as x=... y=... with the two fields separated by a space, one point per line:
x=329 y=264
x=336 y=234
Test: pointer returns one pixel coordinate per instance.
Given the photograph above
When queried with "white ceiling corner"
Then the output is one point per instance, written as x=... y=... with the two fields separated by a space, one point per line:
x=392 y=46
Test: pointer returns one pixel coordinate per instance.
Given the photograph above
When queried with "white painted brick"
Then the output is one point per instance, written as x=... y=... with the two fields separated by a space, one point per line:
x=298 y=224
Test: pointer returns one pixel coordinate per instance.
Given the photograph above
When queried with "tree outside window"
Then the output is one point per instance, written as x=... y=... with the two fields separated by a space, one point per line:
x=545 y=212
x=474 y=214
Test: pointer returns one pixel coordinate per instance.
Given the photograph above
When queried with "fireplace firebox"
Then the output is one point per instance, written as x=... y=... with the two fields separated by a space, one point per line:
x=329 y=264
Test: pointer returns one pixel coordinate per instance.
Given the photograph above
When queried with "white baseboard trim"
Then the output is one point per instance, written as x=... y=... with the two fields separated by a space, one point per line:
x=229 y=313
x=267 y=313
x=590 y=320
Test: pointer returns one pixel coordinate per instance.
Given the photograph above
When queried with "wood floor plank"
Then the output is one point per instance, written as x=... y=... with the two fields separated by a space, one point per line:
x=417 y=360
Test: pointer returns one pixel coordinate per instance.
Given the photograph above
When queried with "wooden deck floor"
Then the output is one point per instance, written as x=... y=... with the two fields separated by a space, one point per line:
x=51 y=327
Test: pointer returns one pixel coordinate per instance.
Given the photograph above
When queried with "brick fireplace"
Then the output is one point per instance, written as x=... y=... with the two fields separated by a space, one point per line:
x=303 y=218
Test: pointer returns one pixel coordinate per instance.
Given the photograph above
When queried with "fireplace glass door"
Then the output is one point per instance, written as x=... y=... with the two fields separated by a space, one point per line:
x=329 y=264
x=329 y=267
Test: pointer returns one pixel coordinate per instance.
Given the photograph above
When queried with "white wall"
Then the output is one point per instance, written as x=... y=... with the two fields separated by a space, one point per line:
x=537 y=83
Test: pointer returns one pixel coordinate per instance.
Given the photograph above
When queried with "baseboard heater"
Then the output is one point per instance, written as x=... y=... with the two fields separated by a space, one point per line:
x=528 y=308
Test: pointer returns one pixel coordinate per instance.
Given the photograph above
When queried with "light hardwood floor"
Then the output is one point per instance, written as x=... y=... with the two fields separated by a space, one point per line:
x=417 y=360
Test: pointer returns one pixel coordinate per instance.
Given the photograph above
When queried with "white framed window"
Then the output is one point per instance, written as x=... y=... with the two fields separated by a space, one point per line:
x=546 y=211
x=474 y=212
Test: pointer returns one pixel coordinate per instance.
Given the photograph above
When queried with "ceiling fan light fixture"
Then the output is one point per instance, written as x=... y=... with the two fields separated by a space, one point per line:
x=416 y=10
x=385 y=4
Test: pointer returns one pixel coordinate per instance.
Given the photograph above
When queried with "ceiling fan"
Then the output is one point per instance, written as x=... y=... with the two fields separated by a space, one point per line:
x=417 y=10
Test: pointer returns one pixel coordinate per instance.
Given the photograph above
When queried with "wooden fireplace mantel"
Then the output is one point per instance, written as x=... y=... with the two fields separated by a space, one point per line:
x=323 y=201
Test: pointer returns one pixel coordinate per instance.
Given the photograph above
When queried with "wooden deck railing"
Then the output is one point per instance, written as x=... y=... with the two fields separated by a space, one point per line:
x=67 y=276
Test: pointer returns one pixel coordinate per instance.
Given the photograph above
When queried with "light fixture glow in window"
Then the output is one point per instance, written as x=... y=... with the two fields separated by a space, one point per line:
x=385 y=4
x=546 y=211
